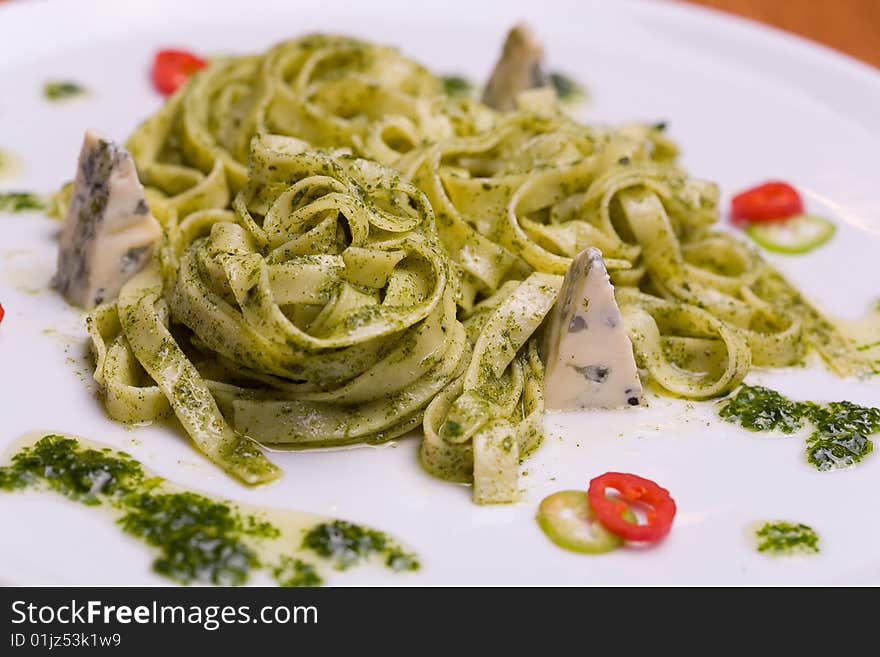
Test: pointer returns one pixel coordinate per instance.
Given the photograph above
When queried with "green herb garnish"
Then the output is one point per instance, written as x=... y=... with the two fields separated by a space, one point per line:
x=399 y=560
x=296 y=572
x=456 y=86
x=346 y=543
x=841 y=430
x=20 y=202
x=62 y=90
x=198 y=539
x=80 y=474
x=786 y=538
x=760 y=409
x=566 y=88
x=841 y=435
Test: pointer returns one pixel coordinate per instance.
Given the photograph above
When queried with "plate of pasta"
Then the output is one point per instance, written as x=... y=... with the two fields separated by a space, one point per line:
x=386 y=296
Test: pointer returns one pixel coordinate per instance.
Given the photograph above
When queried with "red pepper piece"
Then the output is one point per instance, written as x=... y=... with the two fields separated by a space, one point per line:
x=612 y=512
x=172 y=68
x=771 y=201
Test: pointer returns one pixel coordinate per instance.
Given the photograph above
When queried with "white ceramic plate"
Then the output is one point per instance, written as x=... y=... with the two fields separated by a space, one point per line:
x=745 y=103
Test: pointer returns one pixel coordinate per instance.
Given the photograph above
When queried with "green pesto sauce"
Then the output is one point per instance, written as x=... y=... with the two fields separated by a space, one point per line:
x=20 y=202
x=84 y=475
x=62 y=90
x=198 y=539
x=841 y=430
x=841 y=435
x=456 y=86
x=760 y=409
x=566 y=88
x=296 y=572
x=786 y=538
x=345 y=544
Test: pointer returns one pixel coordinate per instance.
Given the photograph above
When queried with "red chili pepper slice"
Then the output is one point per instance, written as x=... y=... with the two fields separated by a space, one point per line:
x=172 y=68
x=632 y=488
x=771 y=201
x=2 y=312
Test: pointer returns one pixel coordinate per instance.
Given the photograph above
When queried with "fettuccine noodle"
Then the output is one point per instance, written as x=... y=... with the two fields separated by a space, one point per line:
x=350 y=255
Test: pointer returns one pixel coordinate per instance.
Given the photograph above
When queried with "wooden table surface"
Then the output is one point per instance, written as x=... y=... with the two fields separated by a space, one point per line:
x=851 y=26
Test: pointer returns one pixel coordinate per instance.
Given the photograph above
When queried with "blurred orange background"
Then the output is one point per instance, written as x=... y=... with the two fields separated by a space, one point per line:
x=851 y=26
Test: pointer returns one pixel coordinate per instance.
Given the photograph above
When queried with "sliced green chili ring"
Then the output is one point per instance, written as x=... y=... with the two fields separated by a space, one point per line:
x=568 y=521
x=800 y=234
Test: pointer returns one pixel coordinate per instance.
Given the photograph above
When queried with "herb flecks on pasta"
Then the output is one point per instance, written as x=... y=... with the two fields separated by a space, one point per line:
x=349 y=253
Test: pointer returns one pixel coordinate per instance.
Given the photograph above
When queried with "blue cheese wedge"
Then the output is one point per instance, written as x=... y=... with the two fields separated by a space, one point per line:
x=589 y=356
x=109 y=232
x=519 y=68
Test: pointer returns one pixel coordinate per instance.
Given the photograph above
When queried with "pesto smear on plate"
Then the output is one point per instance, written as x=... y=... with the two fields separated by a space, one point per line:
x=196 y=538
x=787 y=538
x=20 y=201
x=841 y=430
x=56 y=90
